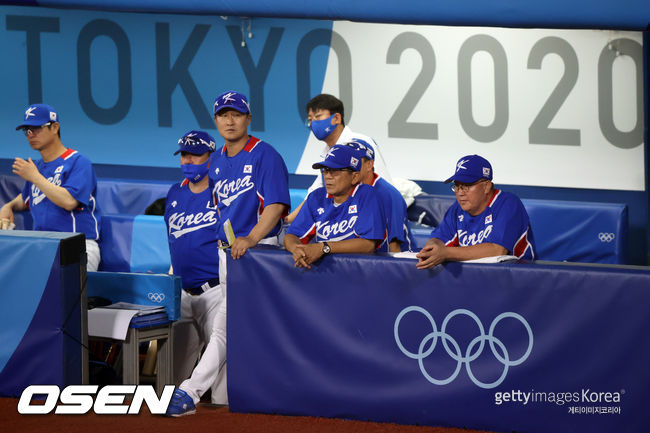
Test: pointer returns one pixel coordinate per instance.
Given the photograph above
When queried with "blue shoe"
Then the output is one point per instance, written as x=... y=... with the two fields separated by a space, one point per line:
x=181 y=404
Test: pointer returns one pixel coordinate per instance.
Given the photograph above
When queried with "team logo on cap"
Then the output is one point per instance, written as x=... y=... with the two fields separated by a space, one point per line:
x=29 y=113
x=248 y=169
x=486 y=171
x=460 y=164
x=228 y=97
x=352 y=208
x=330 y=153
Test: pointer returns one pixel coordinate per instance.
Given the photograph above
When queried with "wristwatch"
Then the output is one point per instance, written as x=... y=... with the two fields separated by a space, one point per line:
x=326 y=248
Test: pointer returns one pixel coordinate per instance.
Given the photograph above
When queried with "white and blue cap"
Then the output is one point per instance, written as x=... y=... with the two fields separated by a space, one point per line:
x=470 y=169
x=234 y=100
x=38 y=115
x=365 y=150
x=196 y=143
x=341 y=156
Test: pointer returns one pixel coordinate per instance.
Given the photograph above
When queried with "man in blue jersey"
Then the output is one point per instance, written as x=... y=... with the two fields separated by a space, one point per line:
x=344 y=216
x=192 y=224
x=61 y=188
x=248 y=179
x=484 y=221
x=249 y=183
x=390 y=199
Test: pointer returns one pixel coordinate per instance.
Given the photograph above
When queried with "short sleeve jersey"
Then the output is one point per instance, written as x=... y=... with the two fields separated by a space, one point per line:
x=192 y=224
x=75 y=173
x=394 y=208
x=360 y=216
x=504 y=222
x=244 y=184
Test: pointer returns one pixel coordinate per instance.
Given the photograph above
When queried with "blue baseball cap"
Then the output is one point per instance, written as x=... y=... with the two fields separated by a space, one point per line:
x=39 y=114
x=341 y=156
x=363 y=147
x=196 y=143
x=234 y=100
x=470 y=169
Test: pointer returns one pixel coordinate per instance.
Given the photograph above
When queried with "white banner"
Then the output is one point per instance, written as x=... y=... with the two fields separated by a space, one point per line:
x=561 y=108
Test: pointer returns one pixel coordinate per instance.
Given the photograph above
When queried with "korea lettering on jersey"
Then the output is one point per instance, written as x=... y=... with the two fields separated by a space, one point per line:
x=192 y=224
x=360 y=216
x=244 y=184
x=75 y=173
x=504 y=222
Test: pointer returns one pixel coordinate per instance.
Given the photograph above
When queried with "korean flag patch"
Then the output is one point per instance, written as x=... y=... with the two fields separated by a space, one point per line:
x=248 y=169
x=488 y=219
x=352 y=208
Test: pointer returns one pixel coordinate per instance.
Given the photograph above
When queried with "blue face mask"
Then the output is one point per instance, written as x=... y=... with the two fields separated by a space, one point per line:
x=323 y=128
x=195 y=172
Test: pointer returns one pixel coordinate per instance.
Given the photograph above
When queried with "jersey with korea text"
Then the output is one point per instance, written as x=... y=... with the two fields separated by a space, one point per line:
x=192 y=224
x=360 y=216
x=394 y=208
x=504 y=222
x=75 y=173
x=242 y=185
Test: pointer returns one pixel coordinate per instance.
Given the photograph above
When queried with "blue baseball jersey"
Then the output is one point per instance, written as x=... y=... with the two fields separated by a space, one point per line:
x=244 y=184
x=75 y=173
x=394 y=208
x=192 y=224
x=504 y=222
x=360 y=216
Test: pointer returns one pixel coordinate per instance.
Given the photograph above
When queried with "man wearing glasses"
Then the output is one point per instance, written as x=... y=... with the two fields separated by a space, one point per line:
x=484 y=221
x=60 y=189
x=344 y=216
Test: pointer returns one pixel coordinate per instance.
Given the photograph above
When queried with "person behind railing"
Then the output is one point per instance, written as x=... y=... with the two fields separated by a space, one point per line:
x=390 y=199
x=61 y=188
x=192 y=224
x=484 y=221
x=344 y=216
x=249 y=185
x=325 y=119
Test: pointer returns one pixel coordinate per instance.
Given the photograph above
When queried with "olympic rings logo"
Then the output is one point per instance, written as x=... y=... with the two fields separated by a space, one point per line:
x=156 y=297
x=606 y=237
x=454 y=351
